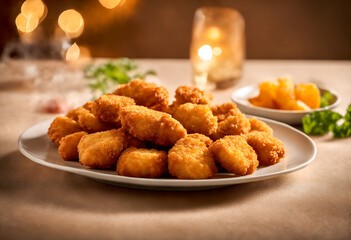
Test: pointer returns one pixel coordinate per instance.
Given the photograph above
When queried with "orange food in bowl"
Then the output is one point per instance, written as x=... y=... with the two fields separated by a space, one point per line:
x=267 y=95
x=309 y=94
x=285 y=96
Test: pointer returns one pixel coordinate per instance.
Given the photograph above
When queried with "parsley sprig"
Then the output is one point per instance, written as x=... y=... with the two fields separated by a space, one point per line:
x=321 y=122
x=107 y=76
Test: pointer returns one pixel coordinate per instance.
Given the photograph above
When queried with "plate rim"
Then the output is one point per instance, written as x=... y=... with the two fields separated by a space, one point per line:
x=170 y=183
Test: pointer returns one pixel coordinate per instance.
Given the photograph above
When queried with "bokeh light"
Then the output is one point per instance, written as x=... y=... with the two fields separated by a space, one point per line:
x=72 y=53
x=109 y=4
x=205 y=52
x=72 y=23
x=26 y=25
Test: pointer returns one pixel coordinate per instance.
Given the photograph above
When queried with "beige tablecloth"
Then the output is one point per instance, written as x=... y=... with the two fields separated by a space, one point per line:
x=37 y=202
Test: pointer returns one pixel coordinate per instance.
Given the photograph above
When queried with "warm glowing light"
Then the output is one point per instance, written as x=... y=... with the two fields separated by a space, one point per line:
x=213 y=33
x=109 y=4
x=72 y=53
x=217 y=51
x=71 y=22
x=25 y=24
x=33 y=8
x=205 y=52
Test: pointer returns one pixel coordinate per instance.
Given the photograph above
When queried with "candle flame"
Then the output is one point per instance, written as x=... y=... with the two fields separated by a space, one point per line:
x=109 y=4
x=71 y=22
x=72 y=53
x=205 y=52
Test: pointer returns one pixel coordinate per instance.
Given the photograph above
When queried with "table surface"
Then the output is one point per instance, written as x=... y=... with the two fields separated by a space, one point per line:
x=37 y=202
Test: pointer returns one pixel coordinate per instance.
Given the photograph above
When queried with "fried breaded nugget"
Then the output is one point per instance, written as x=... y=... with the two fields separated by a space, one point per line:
x=235 y=155
x=62 y=126
x=68 y=148
x=142 y=162
x=90 y=123
x=73 y=114
x=150 y=125
x=189 y=158
x=269 y=150
x=107 y=107
x=258 y=125
x=201 y=137
x=102 y=149
x=189 y=94
x=146 y=94
x=233 y=125
x=225 y=110
x=196 y=118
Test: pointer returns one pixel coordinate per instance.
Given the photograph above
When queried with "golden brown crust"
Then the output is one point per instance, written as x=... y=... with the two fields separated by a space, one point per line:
x=189 y=158
x=201 y=137
x=90 y=123
x=102 y=149
x=258 y=125
x=196 y=118
x=146 y=94
x=189 y=94
x=142 y=162
x=233 y=125
x=68 y=148
x=235 y=155
x=62 y=126
x=269 y=150
x=107 y=107
x=225 y=110
x=150 y=125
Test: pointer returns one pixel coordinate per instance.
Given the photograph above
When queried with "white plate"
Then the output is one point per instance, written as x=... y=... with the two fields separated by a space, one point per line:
x=241 y=96
x=301 y=150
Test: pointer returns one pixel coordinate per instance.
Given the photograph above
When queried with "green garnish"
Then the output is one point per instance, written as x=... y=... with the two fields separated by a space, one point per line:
x=105 y=77
x=321 y=122
x=326 y=99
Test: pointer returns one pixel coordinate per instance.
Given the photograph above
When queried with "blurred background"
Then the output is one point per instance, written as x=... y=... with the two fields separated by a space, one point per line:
x=275 y=29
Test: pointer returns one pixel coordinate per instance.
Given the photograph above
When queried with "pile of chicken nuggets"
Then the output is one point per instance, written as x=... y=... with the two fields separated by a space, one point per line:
x=137 y=132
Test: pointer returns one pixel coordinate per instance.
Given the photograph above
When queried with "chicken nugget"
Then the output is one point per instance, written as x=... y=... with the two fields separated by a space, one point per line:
x=225 y=110
x=150 y=125
x=142 y=162
x=102 y=149
x=107 y=107
x=68 y=148
x=258 y=125
x=189 y=94
x=233 y=125
x=269 y=150
x=201 y=137
x=62 y=126
x=73 y=114
x=196 y=118
x=189 y=158
x=146 y=94
x=235 y=155
x=90 y=123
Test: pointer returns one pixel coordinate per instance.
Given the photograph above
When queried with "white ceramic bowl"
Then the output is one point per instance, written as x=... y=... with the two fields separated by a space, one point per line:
x=241 y=96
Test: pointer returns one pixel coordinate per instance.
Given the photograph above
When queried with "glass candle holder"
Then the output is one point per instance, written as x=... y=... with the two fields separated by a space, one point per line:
x=218 y=47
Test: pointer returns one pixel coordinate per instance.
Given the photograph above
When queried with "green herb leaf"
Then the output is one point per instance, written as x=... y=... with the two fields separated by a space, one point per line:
x=326 y=99
x=321 y=122
x=106 y=77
